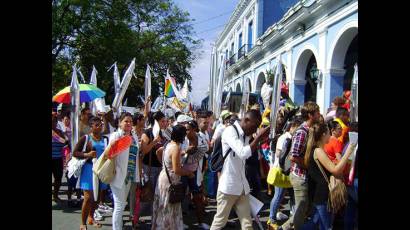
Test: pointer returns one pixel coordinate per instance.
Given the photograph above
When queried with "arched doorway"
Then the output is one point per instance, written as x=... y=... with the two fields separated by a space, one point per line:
x=238 y=87
x=305 y=82
x=311 y=85
x=349 y=62
x=342 y=60
x=260 y=81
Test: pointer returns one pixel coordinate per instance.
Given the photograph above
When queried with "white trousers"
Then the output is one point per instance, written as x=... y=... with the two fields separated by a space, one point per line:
x=120 y=201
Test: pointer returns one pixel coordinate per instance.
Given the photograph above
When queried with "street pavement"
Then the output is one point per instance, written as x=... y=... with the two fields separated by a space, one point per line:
x=68 y=218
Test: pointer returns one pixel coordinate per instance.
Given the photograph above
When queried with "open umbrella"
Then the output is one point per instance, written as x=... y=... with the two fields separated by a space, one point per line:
x=87 y=93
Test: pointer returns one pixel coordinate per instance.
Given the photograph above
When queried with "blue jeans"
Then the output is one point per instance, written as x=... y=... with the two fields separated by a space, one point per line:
x=351 y=207
x=274 y=204
x=191 y=183
x=321 y=216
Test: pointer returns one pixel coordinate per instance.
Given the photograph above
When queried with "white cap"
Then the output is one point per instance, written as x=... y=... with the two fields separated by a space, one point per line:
x=183 y=118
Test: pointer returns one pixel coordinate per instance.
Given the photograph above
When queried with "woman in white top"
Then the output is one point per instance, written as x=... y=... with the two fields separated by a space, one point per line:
x=124 y=174
x=168 y=216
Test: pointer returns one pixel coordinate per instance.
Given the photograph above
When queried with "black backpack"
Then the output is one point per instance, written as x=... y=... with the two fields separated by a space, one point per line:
x=216 y=160
x=284 y=159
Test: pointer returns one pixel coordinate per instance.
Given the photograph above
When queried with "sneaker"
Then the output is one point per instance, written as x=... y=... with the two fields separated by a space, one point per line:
x=107 y=207
x=186 y=226
x=104 y=209
x=273 y=226
x=281 y=216
x=204 y=226
x=97 y=215
x=269 y=221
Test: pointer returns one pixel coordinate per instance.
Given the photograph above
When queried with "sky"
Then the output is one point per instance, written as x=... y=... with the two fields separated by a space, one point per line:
x=210 y=16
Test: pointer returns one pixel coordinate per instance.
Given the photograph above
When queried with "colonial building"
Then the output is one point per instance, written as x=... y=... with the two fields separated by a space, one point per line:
x=315 y=40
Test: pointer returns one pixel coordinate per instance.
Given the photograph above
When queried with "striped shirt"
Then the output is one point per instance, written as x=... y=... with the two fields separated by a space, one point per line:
x=298 y=147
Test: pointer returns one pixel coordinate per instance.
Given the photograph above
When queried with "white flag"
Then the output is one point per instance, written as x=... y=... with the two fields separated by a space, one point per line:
x=275 y=97
x=117 y=80
x=148 y=85
x=93 y=81
x=124 y=85
x=184 y=90
x=75 y=108
x=81 y=75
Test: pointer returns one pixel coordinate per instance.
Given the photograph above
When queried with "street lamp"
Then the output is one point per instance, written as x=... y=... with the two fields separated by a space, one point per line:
x=316 y=75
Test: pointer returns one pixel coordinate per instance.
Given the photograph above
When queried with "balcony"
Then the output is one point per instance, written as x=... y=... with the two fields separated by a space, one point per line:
x=232 y=60
x=244 y=50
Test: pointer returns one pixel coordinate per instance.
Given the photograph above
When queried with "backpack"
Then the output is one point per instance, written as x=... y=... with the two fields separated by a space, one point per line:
x=283 y=163
x=284 y=158
x=216 y=160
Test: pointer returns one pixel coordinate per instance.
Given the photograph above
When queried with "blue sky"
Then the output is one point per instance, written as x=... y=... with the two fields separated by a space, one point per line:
x=216 y=13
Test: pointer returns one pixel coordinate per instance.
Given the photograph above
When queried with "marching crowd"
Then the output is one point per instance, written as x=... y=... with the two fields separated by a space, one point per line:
x=195 y=157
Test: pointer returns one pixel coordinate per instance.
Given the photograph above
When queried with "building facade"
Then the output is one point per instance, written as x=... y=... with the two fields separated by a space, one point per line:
x=315 y=40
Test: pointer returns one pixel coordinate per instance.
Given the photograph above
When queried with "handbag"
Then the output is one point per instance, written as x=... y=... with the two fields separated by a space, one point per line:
x=337 y=190
x=147 y=190
x=74 y=165
x=276 y=176
x=104 y=167
x=176 y=192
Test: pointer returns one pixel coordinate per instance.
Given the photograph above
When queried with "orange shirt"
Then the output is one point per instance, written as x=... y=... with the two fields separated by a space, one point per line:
x=334 y=146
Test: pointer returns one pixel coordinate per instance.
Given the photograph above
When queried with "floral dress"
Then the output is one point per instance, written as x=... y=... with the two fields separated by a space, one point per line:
x=166 y=215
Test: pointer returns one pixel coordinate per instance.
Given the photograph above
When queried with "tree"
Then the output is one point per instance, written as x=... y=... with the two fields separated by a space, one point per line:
x=98 y=32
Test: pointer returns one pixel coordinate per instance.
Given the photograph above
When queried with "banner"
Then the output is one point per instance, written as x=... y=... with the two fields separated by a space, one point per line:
x=147 y=85
x=275 y=97
x=75 y=108
x=124 y=85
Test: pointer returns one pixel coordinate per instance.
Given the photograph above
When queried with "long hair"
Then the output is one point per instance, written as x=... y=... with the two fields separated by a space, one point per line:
x=316 y=132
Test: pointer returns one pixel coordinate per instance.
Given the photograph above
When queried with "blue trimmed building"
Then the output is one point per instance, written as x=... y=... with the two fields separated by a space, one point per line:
x=315 y=39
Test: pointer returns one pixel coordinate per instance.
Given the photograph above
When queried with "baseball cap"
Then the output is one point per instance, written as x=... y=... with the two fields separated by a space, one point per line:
x=225 y=114
x=183 y=118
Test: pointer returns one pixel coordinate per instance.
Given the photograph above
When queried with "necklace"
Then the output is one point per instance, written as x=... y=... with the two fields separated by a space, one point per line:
x=95 y=138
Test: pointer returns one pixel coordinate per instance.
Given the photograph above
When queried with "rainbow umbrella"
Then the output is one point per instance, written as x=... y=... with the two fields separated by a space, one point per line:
x=87 y=93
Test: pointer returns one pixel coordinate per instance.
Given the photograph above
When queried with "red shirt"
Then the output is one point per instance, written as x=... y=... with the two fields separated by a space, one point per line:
x=334 y=146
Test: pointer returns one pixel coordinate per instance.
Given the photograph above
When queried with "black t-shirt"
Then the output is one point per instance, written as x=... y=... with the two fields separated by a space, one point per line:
x=318 y=187
x=154 y=160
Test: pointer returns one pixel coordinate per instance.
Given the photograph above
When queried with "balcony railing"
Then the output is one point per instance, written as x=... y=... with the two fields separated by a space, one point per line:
x=232 y=60
x=244 y=50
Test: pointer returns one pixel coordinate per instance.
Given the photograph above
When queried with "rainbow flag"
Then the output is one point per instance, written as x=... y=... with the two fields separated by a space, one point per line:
x=169 y=90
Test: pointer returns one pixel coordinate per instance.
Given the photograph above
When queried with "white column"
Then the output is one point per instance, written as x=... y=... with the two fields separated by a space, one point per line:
x=289 y=76
x=320 y=94
x=253 y=78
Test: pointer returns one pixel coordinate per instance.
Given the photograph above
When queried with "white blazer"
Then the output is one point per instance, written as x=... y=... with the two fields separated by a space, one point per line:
x=233 y=180
x=121 y=161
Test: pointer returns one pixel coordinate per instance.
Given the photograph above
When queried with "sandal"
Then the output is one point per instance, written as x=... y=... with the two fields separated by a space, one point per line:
x=83 y=227
x=94 y=223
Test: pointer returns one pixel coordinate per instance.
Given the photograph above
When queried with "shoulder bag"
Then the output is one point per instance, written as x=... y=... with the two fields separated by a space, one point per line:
x=176 y=191
x=337 y=190
x=104 y=167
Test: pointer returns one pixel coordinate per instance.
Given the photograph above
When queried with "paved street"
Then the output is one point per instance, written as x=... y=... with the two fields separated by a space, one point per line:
x=66 y=218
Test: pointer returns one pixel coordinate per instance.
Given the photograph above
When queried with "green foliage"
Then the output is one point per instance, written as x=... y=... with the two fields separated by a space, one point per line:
x=99 y=33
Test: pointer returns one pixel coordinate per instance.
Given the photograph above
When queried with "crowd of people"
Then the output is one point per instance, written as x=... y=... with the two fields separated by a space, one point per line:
x=171 y=149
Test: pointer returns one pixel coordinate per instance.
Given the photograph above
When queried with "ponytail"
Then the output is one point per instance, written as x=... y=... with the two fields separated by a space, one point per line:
x=310 y=145
x=316 y=132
